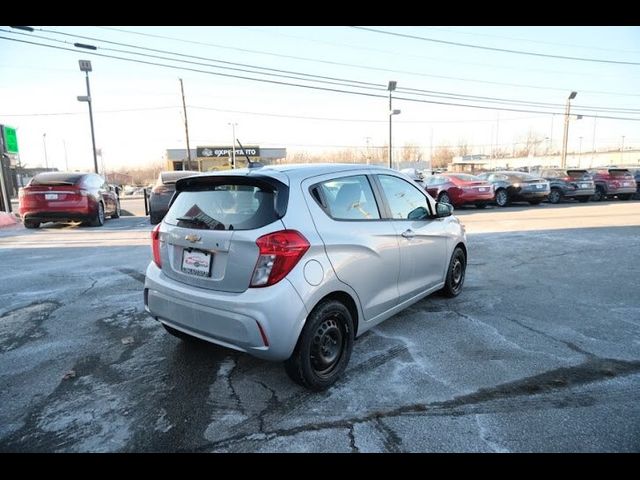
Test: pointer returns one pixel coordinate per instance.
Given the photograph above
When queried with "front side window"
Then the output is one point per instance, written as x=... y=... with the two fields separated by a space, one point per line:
x=347 y=198
x=405 y=201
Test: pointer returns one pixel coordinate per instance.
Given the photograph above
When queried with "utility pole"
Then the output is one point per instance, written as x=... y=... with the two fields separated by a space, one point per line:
x=622 y=151
x=368 y=139
x=593 y=144
x=186 y=128
x=567 y=110
x=44 y=143
x=66 y=159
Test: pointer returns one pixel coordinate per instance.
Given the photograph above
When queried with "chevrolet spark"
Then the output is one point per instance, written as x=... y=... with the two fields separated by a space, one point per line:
x=292 y=263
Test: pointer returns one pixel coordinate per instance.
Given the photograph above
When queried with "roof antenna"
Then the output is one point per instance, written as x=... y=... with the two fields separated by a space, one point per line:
x=250 y=164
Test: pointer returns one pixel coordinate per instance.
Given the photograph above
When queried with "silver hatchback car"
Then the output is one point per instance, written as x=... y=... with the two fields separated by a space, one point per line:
x=293 y=262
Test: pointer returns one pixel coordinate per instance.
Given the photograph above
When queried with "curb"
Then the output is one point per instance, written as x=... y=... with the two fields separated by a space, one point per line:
x=8 y=219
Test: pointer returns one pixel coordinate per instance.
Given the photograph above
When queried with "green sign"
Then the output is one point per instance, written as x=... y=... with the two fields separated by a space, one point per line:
x=10 y=140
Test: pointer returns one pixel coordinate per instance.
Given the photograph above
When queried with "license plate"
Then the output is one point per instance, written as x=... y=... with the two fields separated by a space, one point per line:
x=50 y=196
x=584 y=185
x=482 y=189
x=540 y=186
x=196 y=262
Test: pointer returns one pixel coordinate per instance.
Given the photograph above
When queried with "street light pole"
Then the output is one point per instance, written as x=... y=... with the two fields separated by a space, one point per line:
x=233 y=146
x=85 y=66
x=567 y=110
x=580 y=152
x=392 y=112
x=622 y=151
x=44 y=144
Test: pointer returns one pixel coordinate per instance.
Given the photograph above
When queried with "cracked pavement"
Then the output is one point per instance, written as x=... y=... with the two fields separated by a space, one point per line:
x=540 y=353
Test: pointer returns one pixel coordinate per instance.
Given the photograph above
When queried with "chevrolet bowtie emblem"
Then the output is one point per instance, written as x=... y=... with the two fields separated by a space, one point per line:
x=193 y=238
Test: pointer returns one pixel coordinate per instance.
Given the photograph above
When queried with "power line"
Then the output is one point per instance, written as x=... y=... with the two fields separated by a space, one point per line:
x=368 y=67
x=542 y=42
x=405 y=54
x=51 y=114
x=339 y=81
x=312 y=87
x=505 y=50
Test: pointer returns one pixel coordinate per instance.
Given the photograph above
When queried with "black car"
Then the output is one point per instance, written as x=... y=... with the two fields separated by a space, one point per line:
x=162 y=192
x=511 y=186
x=576 y=184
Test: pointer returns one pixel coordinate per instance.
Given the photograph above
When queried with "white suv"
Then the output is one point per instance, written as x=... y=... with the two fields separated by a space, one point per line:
x=293 y=262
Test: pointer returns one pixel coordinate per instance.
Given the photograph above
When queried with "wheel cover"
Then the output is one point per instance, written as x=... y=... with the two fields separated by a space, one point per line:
x=501 y=197
x=444 y=198
x=327 y=347
x=100 y=213
x=457 y=274
x=554 y=196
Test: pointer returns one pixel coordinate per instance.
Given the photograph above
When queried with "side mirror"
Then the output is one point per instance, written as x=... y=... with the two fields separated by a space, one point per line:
x=443 y=210
x=419 y=213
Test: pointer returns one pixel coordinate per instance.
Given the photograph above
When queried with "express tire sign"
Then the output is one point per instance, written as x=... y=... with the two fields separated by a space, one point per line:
x=224 y=152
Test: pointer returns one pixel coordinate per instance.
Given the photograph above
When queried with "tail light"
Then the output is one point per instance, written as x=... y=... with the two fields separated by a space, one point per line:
x=567 y=179
x=279 y=253
x=155 y=245
x=20 y=193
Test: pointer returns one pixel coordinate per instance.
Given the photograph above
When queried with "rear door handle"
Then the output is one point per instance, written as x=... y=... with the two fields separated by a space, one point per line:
x=408 y=233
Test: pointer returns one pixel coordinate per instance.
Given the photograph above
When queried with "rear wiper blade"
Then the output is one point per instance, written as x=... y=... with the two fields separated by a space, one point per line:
x=212 y=224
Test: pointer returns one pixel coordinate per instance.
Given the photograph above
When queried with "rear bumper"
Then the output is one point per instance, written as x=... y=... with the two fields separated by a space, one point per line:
x=475 y=197
x=232 y=320
x=580 y=192
x=80 y=215
x=621 y=191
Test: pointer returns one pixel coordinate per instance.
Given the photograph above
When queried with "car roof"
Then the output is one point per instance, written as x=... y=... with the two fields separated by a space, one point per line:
x=298 y=172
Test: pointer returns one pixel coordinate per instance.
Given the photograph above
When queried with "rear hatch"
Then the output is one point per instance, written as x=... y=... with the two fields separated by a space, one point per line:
x=531 y=183
x=581 y=178
x=53 y=192
x=621 y=178
x=209 y=234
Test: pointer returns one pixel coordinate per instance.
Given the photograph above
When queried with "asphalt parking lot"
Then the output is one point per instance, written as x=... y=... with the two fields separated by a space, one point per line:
x=540 y=352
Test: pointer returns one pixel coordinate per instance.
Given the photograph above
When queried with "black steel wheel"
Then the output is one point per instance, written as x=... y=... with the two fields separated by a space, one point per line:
x=324 y=347
x=455 y=274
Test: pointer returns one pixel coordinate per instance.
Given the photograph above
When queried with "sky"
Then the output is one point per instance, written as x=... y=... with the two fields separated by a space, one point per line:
x=137 y=107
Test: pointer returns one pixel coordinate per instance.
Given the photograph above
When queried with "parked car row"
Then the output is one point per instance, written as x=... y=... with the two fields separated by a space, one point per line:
x=553 y=185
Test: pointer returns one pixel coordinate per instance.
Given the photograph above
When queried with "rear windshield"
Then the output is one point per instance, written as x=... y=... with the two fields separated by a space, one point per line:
x=57 y=178
x=466 y=177
x=620 y=172
x=224 y=206
x=553 y=173
x=577 y=173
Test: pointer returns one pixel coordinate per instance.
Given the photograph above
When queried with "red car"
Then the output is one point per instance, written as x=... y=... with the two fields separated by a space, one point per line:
x=460 y=189
x=64 y=197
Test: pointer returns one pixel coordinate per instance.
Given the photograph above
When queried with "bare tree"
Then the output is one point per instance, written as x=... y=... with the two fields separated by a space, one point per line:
x=442 y=156
x=463 y=147
x=411 y=153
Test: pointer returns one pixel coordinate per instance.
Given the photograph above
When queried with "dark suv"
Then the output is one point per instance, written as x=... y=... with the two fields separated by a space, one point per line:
x=576 y=184
x=613 y=182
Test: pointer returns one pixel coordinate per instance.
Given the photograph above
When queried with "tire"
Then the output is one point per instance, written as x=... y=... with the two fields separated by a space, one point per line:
x=502 y=198
x=599 y=195
x=98 y=220
x=444 y=198
x=555 y=196
x=116 y=214
x=535 y=202
x=455 y=274
x=583 y=199
x=178 y=334
x=31 y=224
x=324 y=347
x=481 y=205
